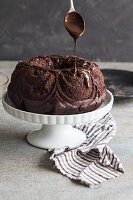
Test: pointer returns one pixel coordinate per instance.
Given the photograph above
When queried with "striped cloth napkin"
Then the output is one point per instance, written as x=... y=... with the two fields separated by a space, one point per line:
x=93 y=162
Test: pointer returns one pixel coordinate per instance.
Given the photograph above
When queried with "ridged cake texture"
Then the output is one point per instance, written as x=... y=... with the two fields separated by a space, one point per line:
x=48 y=85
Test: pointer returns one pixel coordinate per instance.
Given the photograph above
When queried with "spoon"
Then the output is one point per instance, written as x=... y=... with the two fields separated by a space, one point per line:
x=74 y=22
x=75 y=25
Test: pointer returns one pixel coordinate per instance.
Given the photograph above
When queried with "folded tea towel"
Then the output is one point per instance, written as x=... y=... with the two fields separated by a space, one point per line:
x=93 y=161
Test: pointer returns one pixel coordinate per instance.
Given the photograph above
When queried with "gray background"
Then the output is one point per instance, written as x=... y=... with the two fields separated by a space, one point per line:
x=33 y=27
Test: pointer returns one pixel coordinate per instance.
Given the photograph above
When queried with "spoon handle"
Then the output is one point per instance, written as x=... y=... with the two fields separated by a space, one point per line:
x=71 y=6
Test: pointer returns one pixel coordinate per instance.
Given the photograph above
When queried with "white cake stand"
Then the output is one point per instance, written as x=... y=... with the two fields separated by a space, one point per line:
x=57 y=130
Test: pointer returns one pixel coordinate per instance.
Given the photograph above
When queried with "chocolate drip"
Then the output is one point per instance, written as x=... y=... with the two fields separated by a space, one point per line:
x=75 y=25
x=86 y=78
x=85 y=74
x=75 y=45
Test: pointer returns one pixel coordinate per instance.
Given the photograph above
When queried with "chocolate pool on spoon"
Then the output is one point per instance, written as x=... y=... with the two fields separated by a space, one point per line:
x=75 y=25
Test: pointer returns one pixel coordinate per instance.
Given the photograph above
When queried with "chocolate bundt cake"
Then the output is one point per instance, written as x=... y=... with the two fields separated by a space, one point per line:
x=49 y=85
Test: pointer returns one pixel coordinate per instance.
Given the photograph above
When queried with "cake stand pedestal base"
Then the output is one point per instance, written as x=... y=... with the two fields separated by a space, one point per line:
x=56 y=136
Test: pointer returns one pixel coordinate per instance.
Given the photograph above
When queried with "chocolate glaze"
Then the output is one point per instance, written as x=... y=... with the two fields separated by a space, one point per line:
x=47 y=85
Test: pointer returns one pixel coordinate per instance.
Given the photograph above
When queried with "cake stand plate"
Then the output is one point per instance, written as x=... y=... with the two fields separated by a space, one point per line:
x=57 y=130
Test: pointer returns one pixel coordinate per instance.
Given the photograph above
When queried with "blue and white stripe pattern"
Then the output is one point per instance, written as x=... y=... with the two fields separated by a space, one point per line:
x=92 y=162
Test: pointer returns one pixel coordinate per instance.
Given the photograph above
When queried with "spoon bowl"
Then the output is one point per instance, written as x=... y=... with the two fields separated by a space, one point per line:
x=74 y=23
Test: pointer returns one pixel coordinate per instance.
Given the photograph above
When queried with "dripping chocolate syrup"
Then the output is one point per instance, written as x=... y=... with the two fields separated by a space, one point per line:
x=75 y=46
x=75 y=25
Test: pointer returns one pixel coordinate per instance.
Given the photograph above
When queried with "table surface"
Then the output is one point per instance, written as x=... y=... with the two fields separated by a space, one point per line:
x=26 y=172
